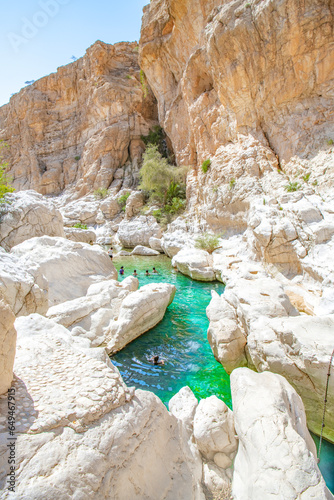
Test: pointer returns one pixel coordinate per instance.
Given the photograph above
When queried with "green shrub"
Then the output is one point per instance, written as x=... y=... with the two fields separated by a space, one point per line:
x=264 y=201
x=78 y=225
x=157 y=175
x=248 y=5
x=122 y=200
x=232 y=183
x=306 y=177
x=208 y=242
x=292 y=186
x=205 y=165
x=129 y=77
x=77 y=158
x=280 y=208
x=315 y=183
x=5 y=181
x=330 y=142
x=143 y=83
x=176 y=206
x=101 y=193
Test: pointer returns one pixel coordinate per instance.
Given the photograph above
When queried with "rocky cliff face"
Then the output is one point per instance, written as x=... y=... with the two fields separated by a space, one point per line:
x=248 y=85
x=80 y=126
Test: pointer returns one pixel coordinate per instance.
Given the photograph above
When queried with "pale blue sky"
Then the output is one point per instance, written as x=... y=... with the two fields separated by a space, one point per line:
x=37 y=36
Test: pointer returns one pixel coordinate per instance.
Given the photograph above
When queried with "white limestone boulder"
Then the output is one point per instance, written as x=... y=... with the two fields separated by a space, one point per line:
x=299 y=348
x=7 y=346
x=19 y=287
x=141 y=250
x=173 y=242
x=84 y=211
x=183 y=406
x=81 y=432
x=140 y=311
x=214 y=431
x=232 y=314
x=28 y=214
x=276 y=456
x=138 y=231
x=69 y=267
x=77 y=234
x=109 y=208
x=91 y=316
x=194 y=263
x=156 y=244
x=134 y=204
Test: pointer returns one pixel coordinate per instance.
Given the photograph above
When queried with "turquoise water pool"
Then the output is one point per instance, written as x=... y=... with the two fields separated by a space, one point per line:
x=180 y=338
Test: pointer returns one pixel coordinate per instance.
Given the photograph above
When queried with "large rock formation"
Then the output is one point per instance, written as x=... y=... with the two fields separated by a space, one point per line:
x=277 y=457
x=68 y=267
x=224 y=70
x=25 y=215
x=80 y=431
x=82 y=125
x=7 y=345
x=254 y=323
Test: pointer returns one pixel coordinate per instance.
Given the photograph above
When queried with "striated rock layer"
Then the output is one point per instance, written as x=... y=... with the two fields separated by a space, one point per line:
x=80 y=126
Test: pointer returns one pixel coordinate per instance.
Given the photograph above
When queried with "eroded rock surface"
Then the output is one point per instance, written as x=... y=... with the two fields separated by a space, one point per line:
x=276 y=456
x=81 y=431
x=28 y=214
x=7 y=345
x=72 y=128
x=69 y=267
x=138 y=231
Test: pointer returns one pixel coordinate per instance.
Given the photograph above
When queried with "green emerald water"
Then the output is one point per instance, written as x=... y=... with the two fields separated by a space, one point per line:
x=180 y=338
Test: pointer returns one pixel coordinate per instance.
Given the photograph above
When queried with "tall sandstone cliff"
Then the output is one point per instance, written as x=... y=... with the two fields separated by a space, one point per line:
x=247 y=84
x=78 y=127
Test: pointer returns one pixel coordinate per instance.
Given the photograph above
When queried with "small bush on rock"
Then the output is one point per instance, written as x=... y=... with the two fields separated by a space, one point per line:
x=101 y=193
x=232 y=183
x=5 y=181
x=80 y=226
x=208 y=242
x=205 y=165
x=292 y=186
x=122 y=200
x=306 y=177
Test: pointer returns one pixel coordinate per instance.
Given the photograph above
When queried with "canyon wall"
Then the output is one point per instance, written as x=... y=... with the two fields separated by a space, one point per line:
x=248 y=85
x=81 y=126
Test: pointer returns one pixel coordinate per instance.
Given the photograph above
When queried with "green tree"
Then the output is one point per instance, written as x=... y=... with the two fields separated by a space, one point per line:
x=5 y=181
x=157 y=175
x=208 y=241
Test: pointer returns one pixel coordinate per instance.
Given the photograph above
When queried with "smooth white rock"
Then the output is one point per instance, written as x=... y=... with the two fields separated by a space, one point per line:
x=69 y=267
x=276 y=456
x=138 y=231
x=7 y=346
x=141 y=250
x=194 y=263
x=28 y=214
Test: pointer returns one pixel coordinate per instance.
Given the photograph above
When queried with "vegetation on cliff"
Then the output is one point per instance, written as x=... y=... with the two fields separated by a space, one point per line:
x=5 y=181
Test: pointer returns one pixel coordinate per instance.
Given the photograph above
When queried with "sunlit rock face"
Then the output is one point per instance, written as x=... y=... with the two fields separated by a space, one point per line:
x=247 y=84
x=80 y=126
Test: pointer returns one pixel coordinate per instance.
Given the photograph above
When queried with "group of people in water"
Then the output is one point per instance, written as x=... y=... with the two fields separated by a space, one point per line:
x=156 y=360
x=147 y=273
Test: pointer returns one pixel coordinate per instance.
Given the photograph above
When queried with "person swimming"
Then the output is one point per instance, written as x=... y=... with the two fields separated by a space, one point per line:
x=147 y=273
x=156 y=360
x=155 y=271
x=135 y=273
x=121 y=271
